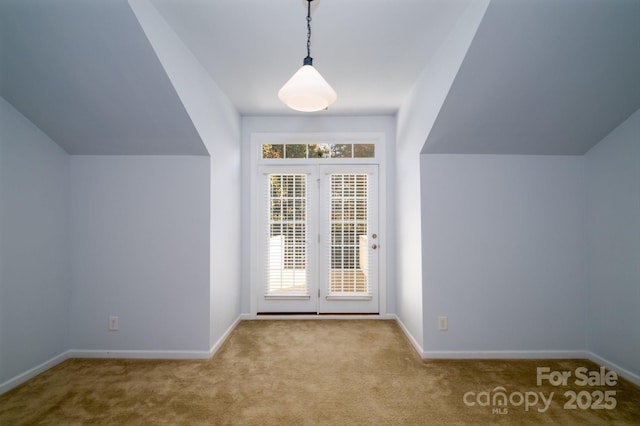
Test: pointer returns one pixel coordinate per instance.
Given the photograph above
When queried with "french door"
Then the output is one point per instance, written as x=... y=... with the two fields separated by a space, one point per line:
x=319 y=239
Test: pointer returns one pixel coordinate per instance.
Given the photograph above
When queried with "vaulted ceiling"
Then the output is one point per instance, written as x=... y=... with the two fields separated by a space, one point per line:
x=86 y=75
x=543 y=77
x=540 y=77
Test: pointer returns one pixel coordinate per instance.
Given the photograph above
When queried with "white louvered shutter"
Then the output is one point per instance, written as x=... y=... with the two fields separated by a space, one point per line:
x=286 y=260
x=348 y=227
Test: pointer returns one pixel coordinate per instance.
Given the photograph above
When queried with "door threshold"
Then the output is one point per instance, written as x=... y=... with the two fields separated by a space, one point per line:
x=315 y=316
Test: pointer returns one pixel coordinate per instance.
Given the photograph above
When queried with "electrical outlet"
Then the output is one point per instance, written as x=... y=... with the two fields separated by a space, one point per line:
x=443 y=323
x=113 y=323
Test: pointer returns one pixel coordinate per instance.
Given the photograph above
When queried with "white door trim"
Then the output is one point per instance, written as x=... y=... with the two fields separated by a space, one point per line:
x=356 y=302
x=255 y=160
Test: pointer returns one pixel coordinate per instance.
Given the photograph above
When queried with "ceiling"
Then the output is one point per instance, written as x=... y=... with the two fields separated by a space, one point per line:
x=540 y=77
x=85 y=74
x=370 y=51
x=543 y=77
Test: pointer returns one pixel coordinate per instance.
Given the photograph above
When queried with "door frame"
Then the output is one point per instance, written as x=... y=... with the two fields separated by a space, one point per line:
x=256 y=160
x=369 y=303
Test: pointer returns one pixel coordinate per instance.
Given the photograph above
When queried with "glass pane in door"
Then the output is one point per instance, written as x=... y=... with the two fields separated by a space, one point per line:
x=287 y=239
x=349 y=254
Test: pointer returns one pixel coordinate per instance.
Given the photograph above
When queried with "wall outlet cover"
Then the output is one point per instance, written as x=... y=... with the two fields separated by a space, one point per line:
x=443 y=323
x=113 y=323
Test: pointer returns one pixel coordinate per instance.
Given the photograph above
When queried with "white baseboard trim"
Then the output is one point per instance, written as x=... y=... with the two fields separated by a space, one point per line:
x=137 y=354
x=112 y=354
x=623 y=372
x=224 y=336
x=32 y=372
x=407 y=333
x=572 y=354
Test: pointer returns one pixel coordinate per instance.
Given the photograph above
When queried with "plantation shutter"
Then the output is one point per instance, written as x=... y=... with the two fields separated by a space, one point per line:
x=347 y=223
x=286 y=272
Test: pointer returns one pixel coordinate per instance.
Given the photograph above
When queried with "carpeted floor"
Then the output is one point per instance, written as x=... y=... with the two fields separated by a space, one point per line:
x=334 y=372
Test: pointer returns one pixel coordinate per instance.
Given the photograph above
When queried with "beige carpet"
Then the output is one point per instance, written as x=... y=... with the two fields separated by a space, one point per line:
x=334 y=372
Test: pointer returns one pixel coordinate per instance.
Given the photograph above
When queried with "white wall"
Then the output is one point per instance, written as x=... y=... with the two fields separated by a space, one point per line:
x=613 y=194
x=320 y=124
x=414 y=122
x=503 y=254
x=140 y=251
x=409 y=245
x=226 y=261
x=34 y=255
x=218 y=124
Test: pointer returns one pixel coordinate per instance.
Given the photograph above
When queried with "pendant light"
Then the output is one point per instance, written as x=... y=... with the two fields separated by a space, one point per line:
x=306 y=90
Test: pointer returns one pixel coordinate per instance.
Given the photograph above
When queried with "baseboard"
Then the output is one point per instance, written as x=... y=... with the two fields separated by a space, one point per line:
x=137 y=354
x=122 y=354
x=623 y=372
x=412 y=339
x=224 y=336
x=31 y=373
x=572 y=354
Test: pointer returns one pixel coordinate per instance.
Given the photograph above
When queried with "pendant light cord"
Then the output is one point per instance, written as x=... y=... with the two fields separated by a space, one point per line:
x=308 y=60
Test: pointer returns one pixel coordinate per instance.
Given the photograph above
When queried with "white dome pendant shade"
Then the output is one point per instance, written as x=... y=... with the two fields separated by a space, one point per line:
x=307 y=90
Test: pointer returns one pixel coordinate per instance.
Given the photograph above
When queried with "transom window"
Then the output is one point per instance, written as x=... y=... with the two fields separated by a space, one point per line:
x=318 y=150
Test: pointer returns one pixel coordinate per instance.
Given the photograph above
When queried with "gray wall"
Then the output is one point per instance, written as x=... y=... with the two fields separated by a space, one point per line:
x=415 y=120
x=34 y=245
x=218 y=125
x=140 y=251
x=613 y=194
x=503 y=253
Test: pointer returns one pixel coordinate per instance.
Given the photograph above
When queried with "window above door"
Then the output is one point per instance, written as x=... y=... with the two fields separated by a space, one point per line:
x=317 y=148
